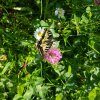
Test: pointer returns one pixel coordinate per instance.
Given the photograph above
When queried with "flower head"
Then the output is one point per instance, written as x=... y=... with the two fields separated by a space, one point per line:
x=53 y=55
x=38 y=33
x=59 y=12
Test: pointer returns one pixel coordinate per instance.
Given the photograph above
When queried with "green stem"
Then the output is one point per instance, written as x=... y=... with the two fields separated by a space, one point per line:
x=41 y=9
x=41 y=69
x=45 y=13
x=4 y=9
x=93 y=49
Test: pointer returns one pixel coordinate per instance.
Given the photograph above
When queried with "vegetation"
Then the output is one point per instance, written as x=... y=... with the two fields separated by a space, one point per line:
x=25 y=75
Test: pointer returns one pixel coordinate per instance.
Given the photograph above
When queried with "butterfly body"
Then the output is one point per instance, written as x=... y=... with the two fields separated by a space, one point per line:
x=45 y=43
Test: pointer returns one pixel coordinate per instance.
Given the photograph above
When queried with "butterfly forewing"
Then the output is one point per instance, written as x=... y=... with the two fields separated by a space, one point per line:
x=45 y=42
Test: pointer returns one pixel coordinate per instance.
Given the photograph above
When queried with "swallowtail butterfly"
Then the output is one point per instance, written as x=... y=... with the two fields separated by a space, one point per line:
x=45 y=43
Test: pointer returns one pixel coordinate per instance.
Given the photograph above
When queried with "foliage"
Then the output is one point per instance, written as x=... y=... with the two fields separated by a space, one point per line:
x=24 y=75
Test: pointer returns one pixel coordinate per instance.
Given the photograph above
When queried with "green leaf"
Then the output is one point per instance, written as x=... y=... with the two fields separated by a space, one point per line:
x=56 y=44
x=42 y=90
x=91 y=45
x=83 y=98
x=25 y=43
x=66 y=34
x=55 y=35
x=20 y=89
x=18 y=97
x=88 y=10
x=69 y=69
x=52 y=25
x=76 y=20
x=84 y=20
x=28 y=94
x=6 y=68
x=43 y=24
x=59 y=96
x=92 y=95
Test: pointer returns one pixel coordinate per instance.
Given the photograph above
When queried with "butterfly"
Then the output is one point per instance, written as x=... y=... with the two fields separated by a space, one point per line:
x=45 y=43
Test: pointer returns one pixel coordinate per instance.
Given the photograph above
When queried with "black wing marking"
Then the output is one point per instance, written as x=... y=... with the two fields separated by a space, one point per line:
x=45 y=42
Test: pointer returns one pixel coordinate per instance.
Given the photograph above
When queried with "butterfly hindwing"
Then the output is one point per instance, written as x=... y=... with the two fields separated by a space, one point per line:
x=45 y=43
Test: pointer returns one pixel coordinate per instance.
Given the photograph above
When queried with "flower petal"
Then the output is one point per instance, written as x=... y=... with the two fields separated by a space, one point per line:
x=36 y=35
x=53 y=55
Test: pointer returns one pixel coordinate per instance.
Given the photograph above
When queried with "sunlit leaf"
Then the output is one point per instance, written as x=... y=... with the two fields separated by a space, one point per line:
x=6 y=68
x=17 y=96
x=20 y=89
x=69 y=69
x=28 y=94
x=88 y=10
x=44 y=24
x=59 y=96
x=92 y=95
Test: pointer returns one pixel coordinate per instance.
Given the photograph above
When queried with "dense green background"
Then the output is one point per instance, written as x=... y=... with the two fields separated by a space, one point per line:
x=24 y=75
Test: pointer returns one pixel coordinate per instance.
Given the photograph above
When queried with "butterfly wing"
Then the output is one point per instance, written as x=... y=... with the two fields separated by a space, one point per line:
x=45 y=42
